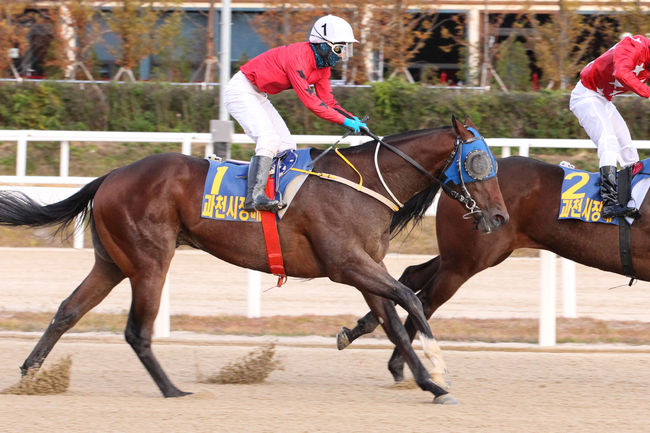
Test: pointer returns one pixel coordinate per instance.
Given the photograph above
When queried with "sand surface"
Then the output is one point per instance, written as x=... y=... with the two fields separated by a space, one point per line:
x=323 y=390
x=576 y=389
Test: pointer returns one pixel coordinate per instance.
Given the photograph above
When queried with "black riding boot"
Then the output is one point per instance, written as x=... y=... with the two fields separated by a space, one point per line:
x=608 y=192
x=258 y=173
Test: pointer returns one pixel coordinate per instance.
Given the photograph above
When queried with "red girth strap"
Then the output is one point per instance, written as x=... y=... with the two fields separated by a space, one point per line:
x=270 y=228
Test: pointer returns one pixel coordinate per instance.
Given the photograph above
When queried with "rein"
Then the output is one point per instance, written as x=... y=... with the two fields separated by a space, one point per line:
x=465 y=198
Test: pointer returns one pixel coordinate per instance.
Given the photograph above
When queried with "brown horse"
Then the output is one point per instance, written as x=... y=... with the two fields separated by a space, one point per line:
x=531 y=190
x=141 y=212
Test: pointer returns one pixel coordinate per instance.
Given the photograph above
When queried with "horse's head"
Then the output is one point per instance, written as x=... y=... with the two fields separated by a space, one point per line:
x=471 y=175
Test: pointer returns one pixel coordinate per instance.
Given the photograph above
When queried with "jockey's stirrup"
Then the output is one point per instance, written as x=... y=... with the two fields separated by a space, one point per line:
x=256 y=199
x=608 y=192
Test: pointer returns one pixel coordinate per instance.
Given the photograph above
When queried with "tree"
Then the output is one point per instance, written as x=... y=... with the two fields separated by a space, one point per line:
x=512 y=66
x=386 y=29
x=14 y=39
x=142 y=29
x=560 y=43
x=402 y=33
x=632 y=17
x=286 y=22
x=78 y=29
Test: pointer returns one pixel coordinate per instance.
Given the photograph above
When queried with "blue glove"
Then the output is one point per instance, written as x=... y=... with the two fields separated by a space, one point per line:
x=354 y=124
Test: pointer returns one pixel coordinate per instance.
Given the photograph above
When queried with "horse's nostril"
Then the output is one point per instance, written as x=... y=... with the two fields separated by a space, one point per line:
x=500 y=220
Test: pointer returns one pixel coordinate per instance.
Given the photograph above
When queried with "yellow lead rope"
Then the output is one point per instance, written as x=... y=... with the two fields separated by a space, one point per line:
x=353 y=168
x=359 y=187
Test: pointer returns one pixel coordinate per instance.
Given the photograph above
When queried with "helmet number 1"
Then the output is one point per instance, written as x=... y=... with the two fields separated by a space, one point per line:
x=324 y=26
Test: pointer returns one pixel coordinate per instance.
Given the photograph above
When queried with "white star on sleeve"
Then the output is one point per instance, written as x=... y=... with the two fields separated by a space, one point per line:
x=638 y=69
x=616 y=83
x=600 y=91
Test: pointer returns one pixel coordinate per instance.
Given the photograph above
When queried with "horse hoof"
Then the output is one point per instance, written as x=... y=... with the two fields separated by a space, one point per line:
x=342 y=340
x=446 y=399
x=178 y=393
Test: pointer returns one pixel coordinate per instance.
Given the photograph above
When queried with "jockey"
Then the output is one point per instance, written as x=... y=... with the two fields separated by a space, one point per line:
x=624 y=67
x=299 y=66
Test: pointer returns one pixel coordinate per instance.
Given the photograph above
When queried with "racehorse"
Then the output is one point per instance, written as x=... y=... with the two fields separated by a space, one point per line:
x=141 y=212
x=531 y=190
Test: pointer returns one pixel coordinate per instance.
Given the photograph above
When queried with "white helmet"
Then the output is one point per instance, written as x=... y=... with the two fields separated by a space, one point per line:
x=331 y=29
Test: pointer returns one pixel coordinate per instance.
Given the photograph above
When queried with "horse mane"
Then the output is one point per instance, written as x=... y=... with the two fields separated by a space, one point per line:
x=414 y=209
x=393 y=139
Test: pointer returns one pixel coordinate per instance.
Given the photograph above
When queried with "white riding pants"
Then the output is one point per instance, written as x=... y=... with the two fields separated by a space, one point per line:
x=604 y=125
x=257 y=116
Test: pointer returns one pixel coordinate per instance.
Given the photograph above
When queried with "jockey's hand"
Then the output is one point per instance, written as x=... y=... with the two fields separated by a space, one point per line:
x=354 y=124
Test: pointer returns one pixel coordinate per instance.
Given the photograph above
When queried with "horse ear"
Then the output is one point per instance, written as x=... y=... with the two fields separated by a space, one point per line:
x=461 y=131
x=468 y=122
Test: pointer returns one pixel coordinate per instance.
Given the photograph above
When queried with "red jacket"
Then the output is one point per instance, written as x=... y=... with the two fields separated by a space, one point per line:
x=294 y=65
x=623 y=68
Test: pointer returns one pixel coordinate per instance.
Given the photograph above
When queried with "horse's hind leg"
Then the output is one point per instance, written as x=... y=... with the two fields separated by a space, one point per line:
x=388 y=317
x=139 y=328
x=94 y=288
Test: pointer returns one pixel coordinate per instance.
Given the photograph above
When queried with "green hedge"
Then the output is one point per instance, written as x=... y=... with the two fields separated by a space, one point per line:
x=393 y=106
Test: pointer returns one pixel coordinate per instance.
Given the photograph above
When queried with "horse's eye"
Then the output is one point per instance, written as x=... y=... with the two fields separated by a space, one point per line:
x=478 y=164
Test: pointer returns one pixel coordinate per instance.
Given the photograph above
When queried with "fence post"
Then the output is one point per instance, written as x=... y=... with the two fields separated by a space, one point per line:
x=568 y=288
x=186 y=147
x=21 y=155
x=64 y=162
x=78 y=236
x=221 y=131
x=547 y=335
x=524 y=149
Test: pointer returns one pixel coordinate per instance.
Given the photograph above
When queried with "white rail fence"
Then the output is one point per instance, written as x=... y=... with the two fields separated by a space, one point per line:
x=49 y=189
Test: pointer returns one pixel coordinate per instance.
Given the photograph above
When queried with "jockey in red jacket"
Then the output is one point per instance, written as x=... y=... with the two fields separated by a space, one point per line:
x=303 y=67
x=623 y=68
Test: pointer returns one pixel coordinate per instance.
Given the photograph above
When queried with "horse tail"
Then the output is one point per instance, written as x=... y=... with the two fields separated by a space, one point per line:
x=17 y=209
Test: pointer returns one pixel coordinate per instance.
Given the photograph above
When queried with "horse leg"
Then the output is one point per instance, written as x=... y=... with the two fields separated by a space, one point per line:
x=139 y=328
x=414 y=277
x=441 y=287
x=94 y=288
x=385 y=310
x=364 y=326
x=372 y=279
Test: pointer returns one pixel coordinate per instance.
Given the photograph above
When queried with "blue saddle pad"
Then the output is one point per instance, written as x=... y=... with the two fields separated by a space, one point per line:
x=581 y=194
x=225 y=185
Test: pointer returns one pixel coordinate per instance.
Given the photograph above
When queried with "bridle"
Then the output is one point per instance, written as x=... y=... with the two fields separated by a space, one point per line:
x=464 y=197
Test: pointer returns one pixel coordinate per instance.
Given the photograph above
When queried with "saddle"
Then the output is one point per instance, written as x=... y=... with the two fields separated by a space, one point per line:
x=580 y=200
x=224 y=190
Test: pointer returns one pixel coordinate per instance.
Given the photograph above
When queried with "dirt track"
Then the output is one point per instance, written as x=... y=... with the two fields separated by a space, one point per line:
x=321 y=389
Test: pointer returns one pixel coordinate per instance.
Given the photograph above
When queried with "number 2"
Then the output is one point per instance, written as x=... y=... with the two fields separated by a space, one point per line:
x=571 y=192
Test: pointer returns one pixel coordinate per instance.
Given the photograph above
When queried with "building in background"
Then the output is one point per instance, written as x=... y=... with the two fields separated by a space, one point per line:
x=478 y=25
